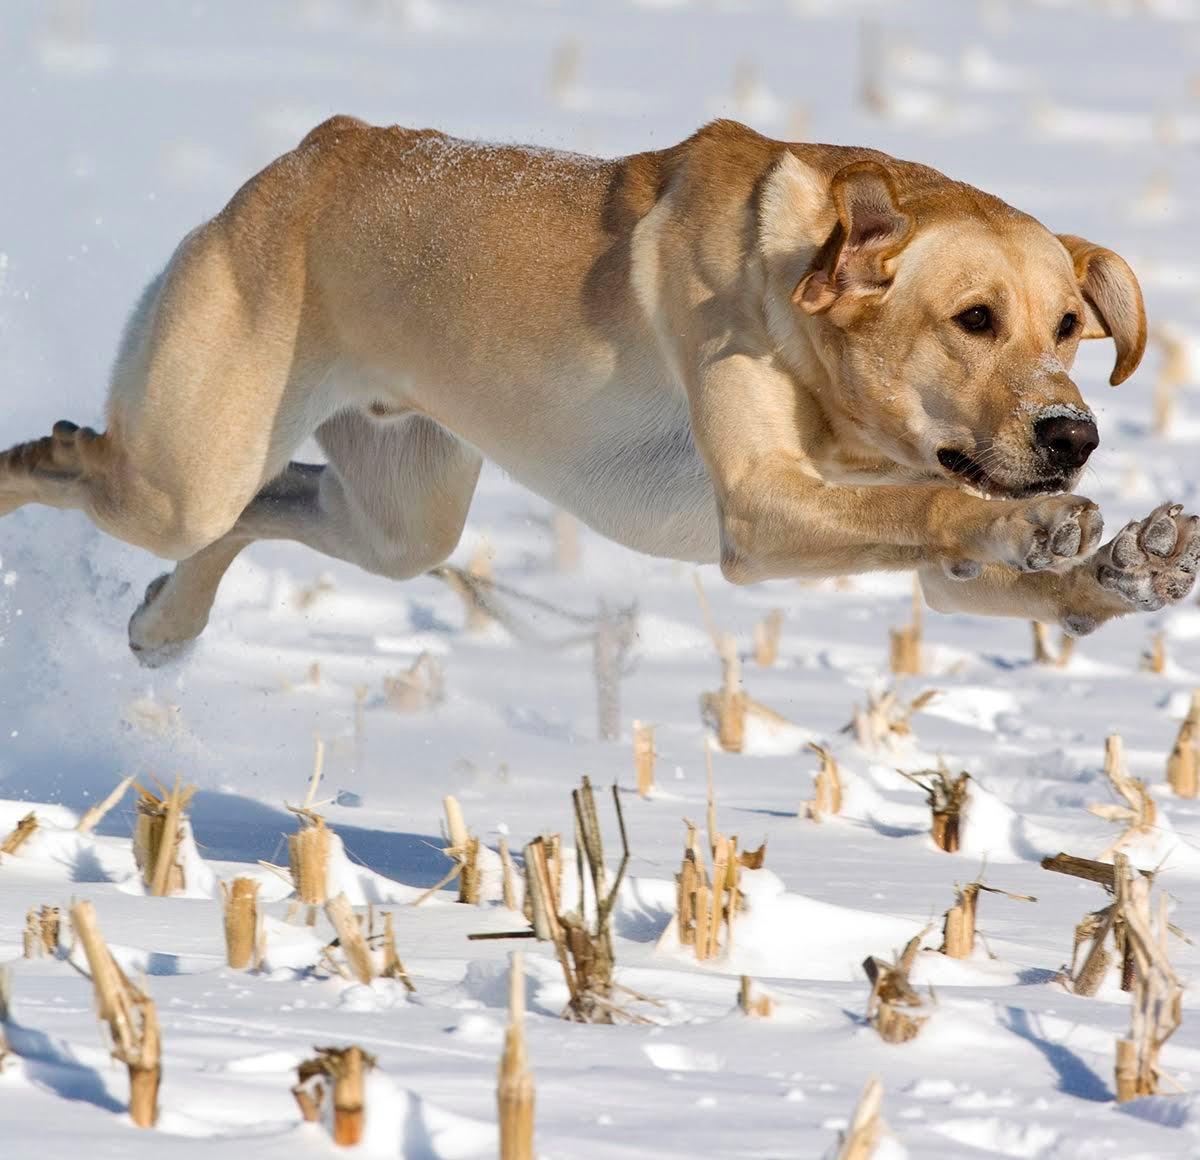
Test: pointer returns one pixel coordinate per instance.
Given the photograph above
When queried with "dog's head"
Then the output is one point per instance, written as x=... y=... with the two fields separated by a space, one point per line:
x=948 y=323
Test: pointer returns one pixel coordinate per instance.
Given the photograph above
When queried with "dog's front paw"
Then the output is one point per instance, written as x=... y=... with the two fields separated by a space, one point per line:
x=1152 y=562
x=1048 y=533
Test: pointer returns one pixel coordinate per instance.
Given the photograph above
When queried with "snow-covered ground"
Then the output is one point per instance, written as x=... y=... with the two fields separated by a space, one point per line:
x=122 y=128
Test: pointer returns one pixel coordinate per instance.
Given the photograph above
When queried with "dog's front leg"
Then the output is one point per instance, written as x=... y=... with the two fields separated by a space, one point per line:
x=1149 y=564
x=779 y=519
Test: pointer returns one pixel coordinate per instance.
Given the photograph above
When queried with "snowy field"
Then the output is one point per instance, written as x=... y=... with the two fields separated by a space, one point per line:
x=122 y=128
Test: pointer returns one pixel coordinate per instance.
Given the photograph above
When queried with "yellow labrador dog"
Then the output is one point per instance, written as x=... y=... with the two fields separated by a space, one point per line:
x=796 y=360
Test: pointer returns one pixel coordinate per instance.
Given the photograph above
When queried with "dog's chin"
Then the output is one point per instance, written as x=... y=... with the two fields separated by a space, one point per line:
x=971 y=474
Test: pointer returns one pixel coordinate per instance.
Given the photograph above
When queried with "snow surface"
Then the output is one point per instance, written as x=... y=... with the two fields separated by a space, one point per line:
x=121 y=131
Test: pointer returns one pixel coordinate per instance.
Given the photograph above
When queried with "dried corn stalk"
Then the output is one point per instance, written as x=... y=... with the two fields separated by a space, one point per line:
x=753 y=859
x=1173 y=372
x=706 y=907
x=480 y=570
x=464 y=850
x=860 y=1139
x=21 y=833
x=95 y=814
x=340 y=1071
x=1043 y=654
x=1154 y=659
x=1098 y=929
x=690 y=879
x=306 y=597
x=130 y=1014
x=40 y=937
x=1139 y=814
x=1182 y=763
x=472 y=585
x=1085 y=977
x=827 y=786
x=5 y=1002
x=1157 y=992
x=584 y=948
x=643 y=757
x=893 y=1001
x=947 y=796
x=418 y=688
x=958 y=927
x=393 y=968
x=240 y=899
x=885 y=720
x=766 y=638
x=508 y=876
x=725 y=710
x=350 y=938
x=758 y=1006
x=905 y=651
x=514 y=1088
x=157 y=835
x=308 y=858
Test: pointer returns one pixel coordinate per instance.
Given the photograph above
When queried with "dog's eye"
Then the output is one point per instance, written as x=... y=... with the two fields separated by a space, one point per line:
x=975 y=319
x=1066 y=327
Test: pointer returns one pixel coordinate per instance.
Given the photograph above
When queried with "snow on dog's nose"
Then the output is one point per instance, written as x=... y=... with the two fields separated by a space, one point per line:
x=1066 y=440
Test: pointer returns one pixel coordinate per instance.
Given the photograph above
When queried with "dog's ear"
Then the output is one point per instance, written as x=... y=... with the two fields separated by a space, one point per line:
x=871 y=228
x=1112 y=302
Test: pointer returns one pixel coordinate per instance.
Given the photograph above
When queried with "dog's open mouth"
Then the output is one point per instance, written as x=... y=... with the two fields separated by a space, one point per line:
x=961 y=465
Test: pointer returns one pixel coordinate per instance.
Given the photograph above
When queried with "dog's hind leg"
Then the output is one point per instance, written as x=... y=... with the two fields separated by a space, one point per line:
x=213 y=388
x=392 y=500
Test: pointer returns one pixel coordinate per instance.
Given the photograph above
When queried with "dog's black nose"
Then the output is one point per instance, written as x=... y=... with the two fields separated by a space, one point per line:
x=1067 y=442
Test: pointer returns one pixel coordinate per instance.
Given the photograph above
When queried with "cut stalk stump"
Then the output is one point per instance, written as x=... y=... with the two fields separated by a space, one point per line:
x=157 y=836
x=514 y=1086
x=947 y=797
x=1183 y=765
x=42 y=932
x=240 y=899
x=885 y=721
x=308 y=858
x=130 y=1014
x=827 y=786
x=766 y=638
x=643 y=757
x=339 y=1072
x=958 y=926
x=894 y=1008
x=860 y=1139
x=905 y=651
x=22 y=832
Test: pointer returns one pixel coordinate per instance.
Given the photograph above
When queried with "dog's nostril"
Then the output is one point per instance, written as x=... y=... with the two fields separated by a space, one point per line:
x=1067 y=442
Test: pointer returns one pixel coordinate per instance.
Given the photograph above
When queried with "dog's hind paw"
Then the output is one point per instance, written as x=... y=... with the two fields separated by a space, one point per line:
x=1153 y=562
x=153 y=639
x=40 y=469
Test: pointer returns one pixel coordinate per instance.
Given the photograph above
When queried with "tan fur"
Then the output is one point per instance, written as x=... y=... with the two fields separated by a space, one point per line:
x=732 y=350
